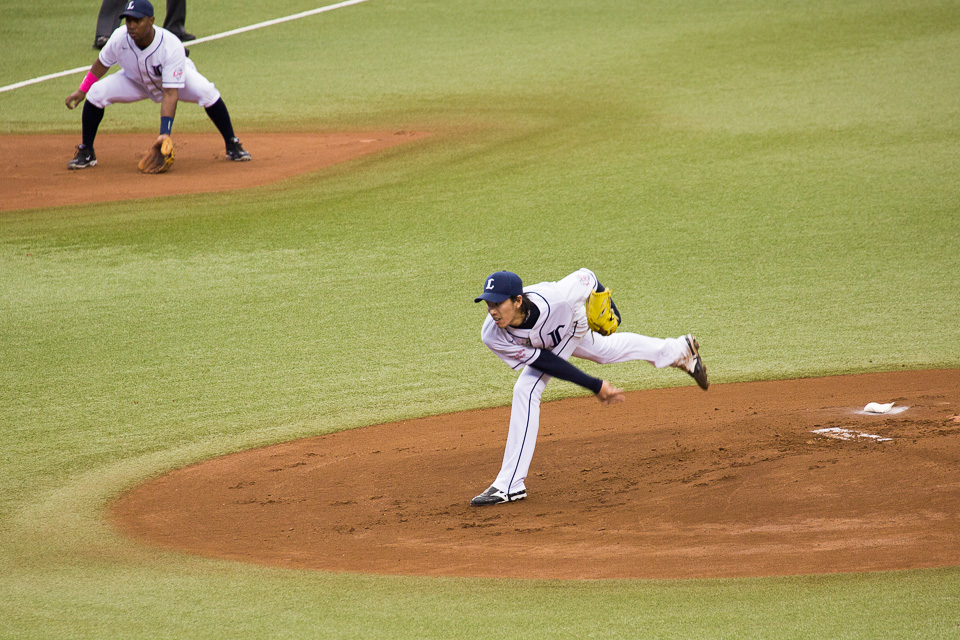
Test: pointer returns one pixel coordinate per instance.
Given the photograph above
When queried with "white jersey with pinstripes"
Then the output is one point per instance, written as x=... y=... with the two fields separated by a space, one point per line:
x=562 y=314
x=163 y=64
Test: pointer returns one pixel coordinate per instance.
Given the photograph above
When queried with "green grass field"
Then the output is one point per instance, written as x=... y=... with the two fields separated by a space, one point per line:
x=780 y=178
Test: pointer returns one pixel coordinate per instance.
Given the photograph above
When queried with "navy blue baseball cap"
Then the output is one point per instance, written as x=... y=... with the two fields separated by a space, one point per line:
x=138 y=9
x=500 y=286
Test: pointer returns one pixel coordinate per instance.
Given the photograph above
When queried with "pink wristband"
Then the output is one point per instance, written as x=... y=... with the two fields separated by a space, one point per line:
x=88 y=82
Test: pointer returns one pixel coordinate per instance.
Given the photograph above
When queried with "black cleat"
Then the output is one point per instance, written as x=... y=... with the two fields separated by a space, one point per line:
x=84 y=158
x=235 y=151
x=699 y=372
x=100 y=41
x=495 y=496
x=182 y=36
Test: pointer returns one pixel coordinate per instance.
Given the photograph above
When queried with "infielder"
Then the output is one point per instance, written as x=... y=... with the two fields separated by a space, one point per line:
x=153 y=65
x=537 y=329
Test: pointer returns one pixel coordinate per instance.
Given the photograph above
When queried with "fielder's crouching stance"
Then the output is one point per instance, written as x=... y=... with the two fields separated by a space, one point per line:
x=153 y=65
x=538 y=328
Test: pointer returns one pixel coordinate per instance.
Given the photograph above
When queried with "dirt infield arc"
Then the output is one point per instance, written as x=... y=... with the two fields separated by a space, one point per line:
x=674 y=483
x=36 y=174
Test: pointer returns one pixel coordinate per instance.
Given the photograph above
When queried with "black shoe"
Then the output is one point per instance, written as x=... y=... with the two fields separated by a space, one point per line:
x=100 y=41
x=187 y=37
x=495 y=496
x=235 y=151
x=84 y=158
x=699 y=372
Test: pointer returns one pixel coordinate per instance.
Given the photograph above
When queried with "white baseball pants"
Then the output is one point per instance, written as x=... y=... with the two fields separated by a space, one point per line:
x=525 y=411
x=118 y=88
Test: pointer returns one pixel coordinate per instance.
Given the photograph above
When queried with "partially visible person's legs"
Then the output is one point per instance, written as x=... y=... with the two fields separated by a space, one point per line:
x=176 y=18
x=108 y=20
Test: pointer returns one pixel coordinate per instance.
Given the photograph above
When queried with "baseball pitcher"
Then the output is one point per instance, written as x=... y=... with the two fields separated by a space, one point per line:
x=536 y=329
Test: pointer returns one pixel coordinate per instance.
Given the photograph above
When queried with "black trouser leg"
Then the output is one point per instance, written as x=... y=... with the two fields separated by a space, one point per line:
x=221 y=118
x=90 y=120
x=176 y=17
x=109 y=17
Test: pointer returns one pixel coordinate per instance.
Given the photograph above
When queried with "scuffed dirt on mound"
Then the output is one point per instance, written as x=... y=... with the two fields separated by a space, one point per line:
x=673 y=483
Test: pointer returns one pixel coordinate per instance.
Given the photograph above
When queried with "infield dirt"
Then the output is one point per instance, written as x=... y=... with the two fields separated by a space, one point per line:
x=36 y=175
x=673 y=483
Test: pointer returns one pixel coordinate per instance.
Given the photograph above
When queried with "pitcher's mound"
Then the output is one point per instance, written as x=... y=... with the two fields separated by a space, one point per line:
x=673 y=483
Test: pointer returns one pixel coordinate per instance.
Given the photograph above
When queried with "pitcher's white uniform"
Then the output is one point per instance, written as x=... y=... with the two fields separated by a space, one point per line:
x=145 y=73
x=561 y=329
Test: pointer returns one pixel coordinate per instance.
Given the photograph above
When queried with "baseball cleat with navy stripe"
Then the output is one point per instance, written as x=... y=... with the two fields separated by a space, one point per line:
x=699 y=372
x=495 y=496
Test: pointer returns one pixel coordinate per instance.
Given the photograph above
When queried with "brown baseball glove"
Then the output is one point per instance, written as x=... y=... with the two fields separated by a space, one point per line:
x=160 y=156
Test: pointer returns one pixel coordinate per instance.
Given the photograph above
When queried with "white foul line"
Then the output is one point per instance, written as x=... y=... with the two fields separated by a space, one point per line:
x=25 y=83
x=233 y=32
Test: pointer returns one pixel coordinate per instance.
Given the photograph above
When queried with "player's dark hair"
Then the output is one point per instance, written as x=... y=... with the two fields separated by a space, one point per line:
x=525 y=305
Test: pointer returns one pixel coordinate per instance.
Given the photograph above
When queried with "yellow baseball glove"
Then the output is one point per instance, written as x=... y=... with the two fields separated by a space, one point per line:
x=600 y=315
x=159 y=158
